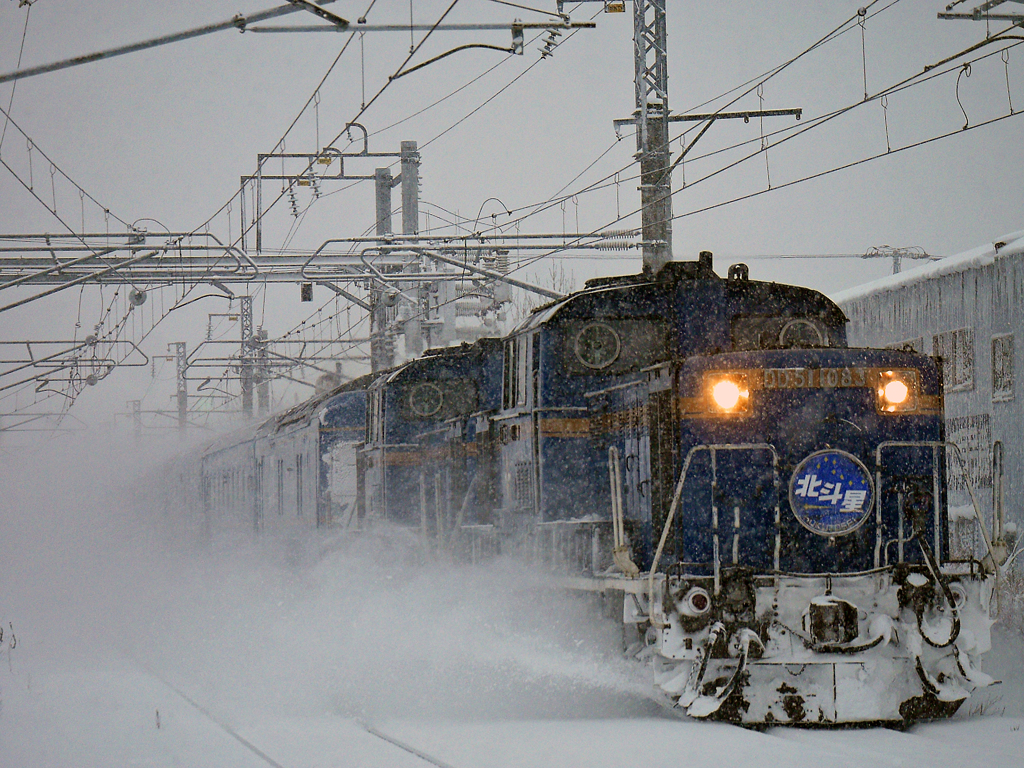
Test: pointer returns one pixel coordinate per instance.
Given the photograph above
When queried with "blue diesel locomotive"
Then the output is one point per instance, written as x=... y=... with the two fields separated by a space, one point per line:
x=767 y=504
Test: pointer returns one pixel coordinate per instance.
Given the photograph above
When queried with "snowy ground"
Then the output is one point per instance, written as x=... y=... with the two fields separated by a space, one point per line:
x=133 y=651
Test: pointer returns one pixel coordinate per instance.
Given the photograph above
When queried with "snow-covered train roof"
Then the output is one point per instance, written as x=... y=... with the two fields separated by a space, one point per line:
x=1003 y=247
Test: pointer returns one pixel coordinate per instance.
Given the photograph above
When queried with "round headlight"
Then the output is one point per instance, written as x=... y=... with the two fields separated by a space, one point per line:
x=697 y=602
x=726 y=394
x=895 y=392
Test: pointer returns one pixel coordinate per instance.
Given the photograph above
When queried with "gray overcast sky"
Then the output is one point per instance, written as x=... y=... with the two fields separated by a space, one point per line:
x=165 y=134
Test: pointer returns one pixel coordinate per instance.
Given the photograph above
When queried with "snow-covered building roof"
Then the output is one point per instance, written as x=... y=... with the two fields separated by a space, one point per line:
x=1009 y=245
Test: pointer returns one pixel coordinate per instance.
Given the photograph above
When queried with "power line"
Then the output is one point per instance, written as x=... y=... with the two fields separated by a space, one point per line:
x=14 y=87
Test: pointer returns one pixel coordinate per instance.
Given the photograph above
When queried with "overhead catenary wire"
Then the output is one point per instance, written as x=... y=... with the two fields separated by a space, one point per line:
x=341 y=133
x=906 y=83
x=864 y=160
x=14 y=86
x=296 y=224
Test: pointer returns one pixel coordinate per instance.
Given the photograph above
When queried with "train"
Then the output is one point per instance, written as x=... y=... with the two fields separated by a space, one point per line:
x=764 y=506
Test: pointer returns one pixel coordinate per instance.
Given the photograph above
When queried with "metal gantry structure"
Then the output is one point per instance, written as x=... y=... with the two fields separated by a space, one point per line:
x=423 y=290
x=982 y=12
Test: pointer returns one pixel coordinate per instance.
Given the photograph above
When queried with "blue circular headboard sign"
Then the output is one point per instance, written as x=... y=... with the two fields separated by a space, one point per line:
x=831 y=493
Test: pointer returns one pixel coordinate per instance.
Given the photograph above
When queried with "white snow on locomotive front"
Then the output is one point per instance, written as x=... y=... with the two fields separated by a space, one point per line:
x=792 y=676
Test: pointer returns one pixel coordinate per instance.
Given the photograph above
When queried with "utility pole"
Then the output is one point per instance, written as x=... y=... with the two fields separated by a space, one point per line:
x=248 y=362
x=413 y=328
x=651 y=118
x=181 y=366
x=136 y=412
x=382 y=354
x=262 y=373
x=650 y=71
x=410 y=188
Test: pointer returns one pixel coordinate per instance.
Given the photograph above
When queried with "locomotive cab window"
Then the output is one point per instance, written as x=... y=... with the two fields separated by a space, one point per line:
x=517 y=371
x=779 y=333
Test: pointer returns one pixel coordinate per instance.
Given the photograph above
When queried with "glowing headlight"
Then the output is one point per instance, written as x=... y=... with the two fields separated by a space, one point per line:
x=897 y=391
x=726 y=394
x=729 y=392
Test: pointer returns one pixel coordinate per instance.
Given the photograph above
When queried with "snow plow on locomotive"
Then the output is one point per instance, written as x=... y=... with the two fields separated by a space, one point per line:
x=767 y=505
x=790 y=582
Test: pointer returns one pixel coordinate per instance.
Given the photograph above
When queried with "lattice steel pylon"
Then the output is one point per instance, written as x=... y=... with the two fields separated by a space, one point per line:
x=650 y=71
x=247 y=354
x=650 y=80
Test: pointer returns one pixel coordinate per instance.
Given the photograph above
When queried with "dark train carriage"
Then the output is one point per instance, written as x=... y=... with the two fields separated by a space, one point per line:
x=786 y=498
x=633 y=423
x=294 y=471
x=770 y=504
x=808 y=523
x=305 y=461
x=457 y=474
x=342 y=431
x=227 y=470
x=401 y=471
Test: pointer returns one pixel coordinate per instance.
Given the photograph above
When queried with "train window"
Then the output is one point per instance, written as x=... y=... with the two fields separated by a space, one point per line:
x=258 y=493
x=956 y=348
x=517 y=371
x=280 y=486
x=522 y=369
x=778 y=333
x=508 y=398
x=615 y=345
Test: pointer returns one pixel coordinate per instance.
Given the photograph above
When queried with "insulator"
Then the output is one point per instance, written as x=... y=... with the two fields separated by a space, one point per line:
x=619 y=233
x=293 y=201
x=614 y=245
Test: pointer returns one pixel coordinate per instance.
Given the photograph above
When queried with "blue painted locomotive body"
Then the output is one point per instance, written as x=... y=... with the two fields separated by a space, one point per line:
x=418 y=412
x=769 y=504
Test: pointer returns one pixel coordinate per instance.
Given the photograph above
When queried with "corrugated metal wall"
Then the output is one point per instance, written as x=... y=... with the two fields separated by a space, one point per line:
x=973 y=318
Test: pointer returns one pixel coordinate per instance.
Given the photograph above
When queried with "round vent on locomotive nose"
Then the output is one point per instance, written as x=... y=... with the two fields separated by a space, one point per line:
x=597 y=346
x=802 y=333
x=426 y=399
